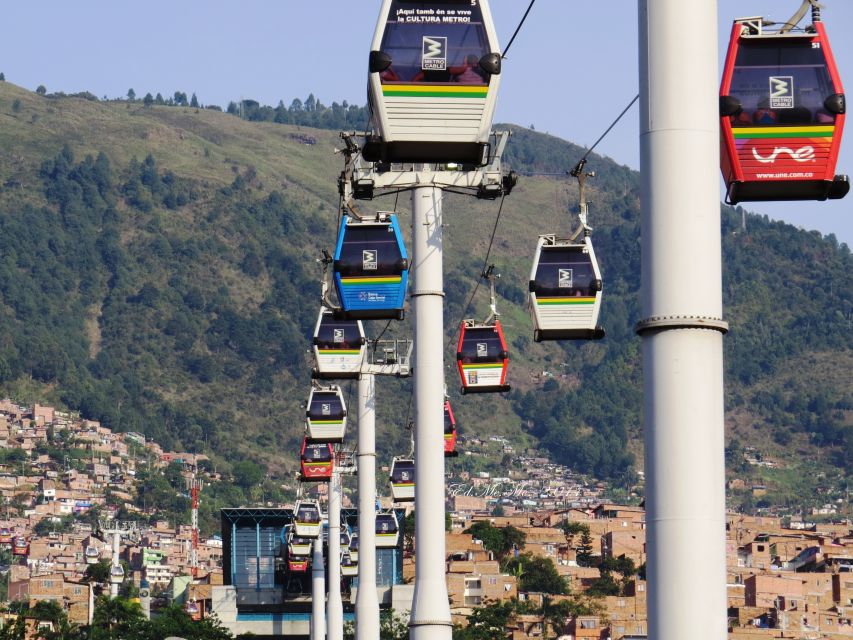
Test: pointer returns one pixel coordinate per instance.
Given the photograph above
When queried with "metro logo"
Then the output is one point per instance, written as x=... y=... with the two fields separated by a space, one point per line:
x=434 y=54
x=781 y=92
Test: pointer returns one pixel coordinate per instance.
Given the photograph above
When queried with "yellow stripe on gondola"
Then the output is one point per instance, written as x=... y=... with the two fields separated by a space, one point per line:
x=496 y=365
x=398 y=485
x=435 y=91
x=327 y=421
x=783 y=132
x=368 y=280
x=339 y=352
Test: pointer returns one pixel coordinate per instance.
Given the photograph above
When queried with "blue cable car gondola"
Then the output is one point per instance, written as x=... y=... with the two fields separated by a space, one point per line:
x=782 y=111
x=339 y=347
x=433 y=82
x=326 y=414
x=371 y=268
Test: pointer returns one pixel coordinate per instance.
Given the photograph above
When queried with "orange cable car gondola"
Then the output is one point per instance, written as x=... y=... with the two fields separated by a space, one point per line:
x=782 y=111
x=316 y=461
x=481 y=354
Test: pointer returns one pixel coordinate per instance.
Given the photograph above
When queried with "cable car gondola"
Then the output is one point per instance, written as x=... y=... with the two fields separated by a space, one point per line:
x=116 y=574
x=349 y=565
x=482 y=357
x=5 y=536
x=403 y=479
x=298 y=546
x=353 y=547
x=316 y=461
x=298 y=564
x=449 y=431
x=433 y=82
x=20 y=546
x=193 y=610
x=371 y=268
x=307 y=519
x=387 y=530
x=481 y=354
x=782 y=111
x=338 y=347
x=565 y=290
x=92 y=555
x=326 y=415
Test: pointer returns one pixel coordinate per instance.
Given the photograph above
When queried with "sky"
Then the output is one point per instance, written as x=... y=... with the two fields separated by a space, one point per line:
x=570 y=72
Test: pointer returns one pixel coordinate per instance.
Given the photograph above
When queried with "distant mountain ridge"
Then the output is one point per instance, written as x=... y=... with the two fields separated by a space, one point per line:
x=158 y=272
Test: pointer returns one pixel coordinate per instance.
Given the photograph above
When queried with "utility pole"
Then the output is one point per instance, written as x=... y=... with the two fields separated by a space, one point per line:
x=116 y=530
x=682 y=327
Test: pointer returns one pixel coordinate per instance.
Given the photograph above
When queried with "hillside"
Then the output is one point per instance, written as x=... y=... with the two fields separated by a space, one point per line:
x=158 y=272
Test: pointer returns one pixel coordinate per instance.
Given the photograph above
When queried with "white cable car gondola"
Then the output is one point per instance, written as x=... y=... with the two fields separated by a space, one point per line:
x=349 y=565
x=92 y=555
x=353 y=547
x=565 y=290
x=116 y=574
x=338 y=347
x=403 y=479
x=326 y=415
x=298 y=546
x=387 y=530
x=565 y=282
x=307 y=519
x=433 y=82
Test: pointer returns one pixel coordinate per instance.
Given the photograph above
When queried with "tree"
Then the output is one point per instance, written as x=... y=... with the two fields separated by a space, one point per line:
x=536 y=574
x=158 y=99
x=2 y=77
x=584 y=549
x=41 y=90
x=131 y=94
x=98 y=572
x=194 y=101
x=116 y=619
x=148 y=100
x=499 y=540
x=488 y=622
x=248 y=474
x=180 y=98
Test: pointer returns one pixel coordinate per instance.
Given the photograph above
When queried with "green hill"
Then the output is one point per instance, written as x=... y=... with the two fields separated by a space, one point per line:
x=158 y=271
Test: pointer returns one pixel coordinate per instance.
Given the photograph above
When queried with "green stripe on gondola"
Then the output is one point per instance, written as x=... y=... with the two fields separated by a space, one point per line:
x=339 y=352
x=783 y=133
x=327 y=422
x=496 y=365
x=435 y=92
x=347 y=282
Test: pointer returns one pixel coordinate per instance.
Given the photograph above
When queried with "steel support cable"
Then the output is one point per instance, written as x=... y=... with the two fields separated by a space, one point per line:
x=615 y=122
x=518 y=28
x=482 y=272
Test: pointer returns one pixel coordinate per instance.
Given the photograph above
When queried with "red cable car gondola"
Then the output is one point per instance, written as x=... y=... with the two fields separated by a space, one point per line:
x=316 y=461
x=782 y=111
x=449 y=431
x=481 y=354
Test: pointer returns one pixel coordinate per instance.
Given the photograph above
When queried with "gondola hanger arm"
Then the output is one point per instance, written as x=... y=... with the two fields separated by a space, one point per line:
x=815 y=7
